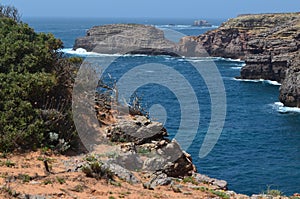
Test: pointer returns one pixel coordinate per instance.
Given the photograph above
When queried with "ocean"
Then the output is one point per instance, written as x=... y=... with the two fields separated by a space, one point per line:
x=259 y=146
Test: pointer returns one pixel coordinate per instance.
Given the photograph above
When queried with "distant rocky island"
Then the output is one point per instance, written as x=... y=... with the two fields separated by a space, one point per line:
x=268 y=43
x=202 y=23
x=126 y=38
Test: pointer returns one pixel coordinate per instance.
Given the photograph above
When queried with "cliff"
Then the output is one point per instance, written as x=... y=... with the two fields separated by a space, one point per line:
x=266 y=42
x=290 y=88
x=136 y=39
x=125 y=38
x=269 y=44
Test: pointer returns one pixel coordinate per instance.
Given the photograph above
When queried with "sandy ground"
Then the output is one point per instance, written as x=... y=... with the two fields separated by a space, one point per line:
x=25 y=173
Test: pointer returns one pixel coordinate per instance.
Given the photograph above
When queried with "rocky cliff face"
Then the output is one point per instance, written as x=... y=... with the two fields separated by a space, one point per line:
x=136 y=39
x=290 y=88
x=266 y=42
x=269 y=44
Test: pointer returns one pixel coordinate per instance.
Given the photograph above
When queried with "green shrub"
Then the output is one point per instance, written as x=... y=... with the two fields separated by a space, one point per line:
x=273 y=192
x=221 y=194
x=36 y=88
x=24 y=178
x=190 y=179
x=60 y=180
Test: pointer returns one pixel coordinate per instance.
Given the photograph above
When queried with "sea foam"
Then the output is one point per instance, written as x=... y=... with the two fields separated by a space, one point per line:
x=275 y=83
x=285 y=109
x=84 y=53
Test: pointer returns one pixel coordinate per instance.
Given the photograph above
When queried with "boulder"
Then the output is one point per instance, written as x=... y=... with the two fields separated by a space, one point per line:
x=121 y=172
x=158 y=179
x=139 y=131
x=220 y=184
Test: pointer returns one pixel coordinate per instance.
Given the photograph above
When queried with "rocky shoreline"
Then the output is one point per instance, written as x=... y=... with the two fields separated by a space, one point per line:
x=268 y=43
x=137 y=167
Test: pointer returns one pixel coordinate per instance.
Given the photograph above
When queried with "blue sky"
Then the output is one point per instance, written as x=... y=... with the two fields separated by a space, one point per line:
x=150 y=8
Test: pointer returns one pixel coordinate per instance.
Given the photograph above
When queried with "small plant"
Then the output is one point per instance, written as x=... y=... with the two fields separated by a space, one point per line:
x=97 y=170
x=8 y=163
x=221 y=194
x=7 y=190
x=117 y=184
x=111 y=197
x=190 y=179
x=143 y=151
x=91 y=158
x=4 y=154
x=24 y=178
x=272 y=192
x=201 y=188
x=48 y=181
x=78 y=188
x=60 y=180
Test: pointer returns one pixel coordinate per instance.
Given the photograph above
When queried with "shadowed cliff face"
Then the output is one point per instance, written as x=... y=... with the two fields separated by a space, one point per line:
x=269 y=44
x=290 y=88
x=266 y=42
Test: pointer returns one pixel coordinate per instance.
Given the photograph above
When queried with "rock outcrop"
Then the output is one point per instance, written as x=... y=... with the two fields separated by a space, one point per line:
x=125 y=38
x=290 y=88
x=136 y=39
x=269 y=44
x=145 y=147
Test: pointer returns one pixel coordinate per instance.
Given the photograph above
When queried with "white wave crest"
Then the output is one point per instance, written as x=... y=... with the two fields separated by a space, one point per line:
x=285 y=109
x=84 y=53
x=181 y=26
x=236 y=68
x=275 y=83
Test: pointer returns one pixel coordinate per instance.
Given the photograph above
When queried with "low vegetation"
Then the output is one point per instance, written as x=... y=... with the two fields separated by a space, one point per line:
x=96 y=169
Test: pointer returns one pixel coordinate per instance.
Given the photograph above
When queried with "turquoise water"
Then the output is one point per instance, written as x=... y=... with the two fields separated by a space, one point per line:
x=258 y=147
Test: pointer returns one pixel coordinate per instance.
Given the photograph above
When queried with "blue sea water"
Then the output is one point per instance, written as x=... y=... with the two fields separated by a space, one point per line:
x=259 y=145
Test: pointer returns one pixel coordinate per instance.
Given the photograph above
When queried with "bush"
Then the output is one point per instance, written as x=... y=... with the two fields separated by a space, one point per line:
x=36 y=88
x=96 y=169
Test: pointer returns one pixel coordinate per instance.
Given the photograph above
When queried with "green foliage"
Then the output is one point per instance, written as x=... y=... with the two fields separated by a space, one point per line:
x=35 y=89
x=24 y=178
x=60 y=180
x=48 y=181
x=190 y=179
x=273 y=192
x=143 y=151
x=9 y=163
x=221 y=194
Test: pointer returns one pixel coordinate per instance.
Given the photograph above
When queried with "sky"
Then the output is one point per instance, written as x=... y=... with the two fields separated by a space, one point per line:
x=150 y=8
